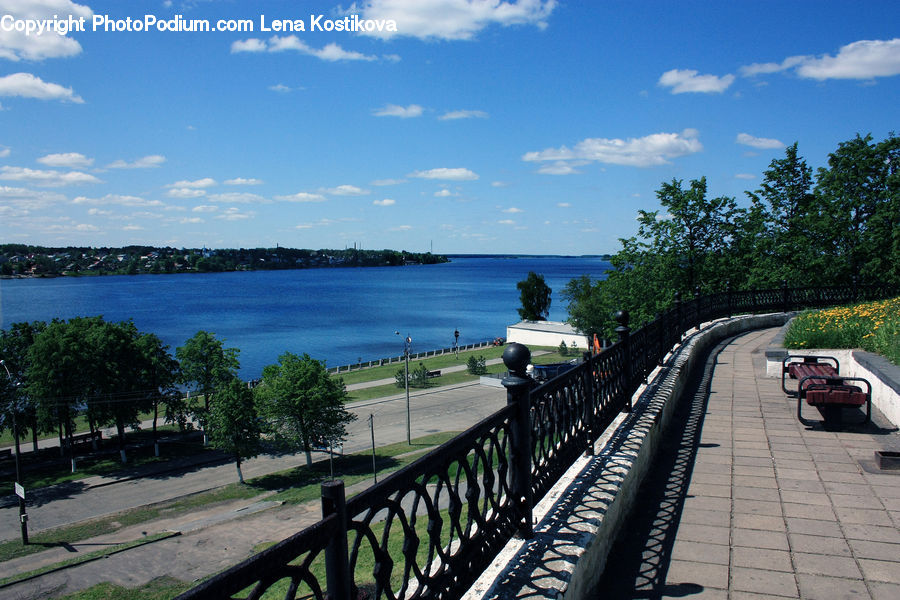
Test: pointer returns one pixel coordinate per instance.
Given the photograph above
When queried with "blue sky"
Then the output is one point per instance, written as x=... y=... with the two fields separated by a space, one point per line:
x=522 y=126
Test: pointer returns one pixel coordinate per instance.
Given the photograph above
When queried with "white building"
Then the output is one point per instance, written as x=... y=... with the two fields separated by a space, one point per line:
x=546 y=333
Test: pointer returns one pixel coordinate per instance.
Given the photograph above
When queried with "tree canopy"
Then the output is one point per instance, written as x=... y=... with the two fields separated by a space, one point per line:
x=535 y=297
x=302 y=404
x=845 y=224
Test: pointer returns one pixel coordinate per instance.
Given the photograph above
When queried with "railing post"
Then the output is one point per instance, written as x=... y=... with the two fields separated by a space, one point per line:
x=697 y=316
x=728 y=302
x=678 y=316
x=337 y=564
x=785 y=301
x=624 y=334
x=518 y=393
x=588 y=386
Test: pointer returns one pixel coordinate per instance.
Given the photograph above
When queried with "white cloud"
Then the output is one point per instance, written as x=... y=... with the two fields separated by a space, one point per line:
x=25 y=200
x=205 y=182
x=404 y=112
x=185 y=193
x=499 y=184
x=302 y=197
x=688 y=80
x=560 y=168
x=401 y=228
x=506 y=222
x=237 y=198
x=116 y=199
x=26 y=85
x=564 y=205
x=4 y=151
x=330 y=52
x=385 y=202
x=204 y=208
x=243 y=181
x=191 y=220
x=280 y=87
x=345 y=190
x=71 y=160
x=46 y=178
x=452 y=19
x=762 y=143
x=15 y=45
x=383 y=182
x=744 y=176
x=650 y=150
x=250 y=45
x=454 y=174
x=512 y=210
x=444 y=193
x=145 y=162
x=463 y=114
x=234 y=214
x=864 y=59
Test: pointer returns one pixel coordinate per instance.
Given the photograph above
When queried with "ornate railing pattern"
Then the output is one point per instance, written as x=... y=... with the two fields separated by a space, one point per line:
x=430 y=529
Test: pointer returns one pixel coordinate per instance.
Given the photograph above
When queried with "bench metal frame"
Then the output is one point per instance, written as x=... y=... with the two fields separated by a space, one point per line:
x=832 y=412
x=808 y=359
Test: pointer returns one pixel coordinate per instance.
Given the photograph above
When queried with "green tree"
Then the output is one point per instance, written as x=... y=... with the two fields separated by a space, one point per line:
x=476 y=365
x=859 y=196
x=778 y=227
x=302 y=404
x=15 y=344
x=534 y=294
x=160 y=374
x=234 y=425
x=206 y=364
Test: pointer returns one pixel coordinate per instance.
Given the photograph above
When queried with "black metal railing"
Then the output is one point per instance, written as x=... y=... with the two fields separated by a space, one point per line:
x=431 y=528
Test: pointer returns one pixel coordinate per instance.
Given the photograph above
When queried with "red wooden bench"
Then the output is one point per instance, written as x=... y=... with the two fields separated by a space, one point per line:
x=822 y=386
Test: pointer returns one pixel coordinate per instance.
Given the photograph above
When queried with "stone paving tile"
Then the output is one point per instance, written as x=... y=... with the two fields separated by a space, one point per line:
x=708 y=489
x=801 y=474
x=752 y=558
x=752 y=461
x=717 y=518
x=754 y=471
x=752 y=481
x=761 y=522
x=880 y=570
x=757 y=507
x=818 y=587
x=876 y=551
x=856 y=501
x=818 y=544
x=814 y=527
x=709 y=534
x=705 y=574
x=708 y=503
x=756 y=538
x=760 y=581
x=872 y=533
x=801 y=485
x=815 y=498
x=850 y=477
x=686 y=550
x=756 y=493
x=863 y=516
x=807 y=511
x=884 y=591
x=822 y=564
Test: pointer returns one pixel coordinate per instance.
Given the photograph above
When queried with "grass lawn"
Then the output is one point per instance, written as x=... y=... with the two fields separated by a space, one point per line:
x=292 y=486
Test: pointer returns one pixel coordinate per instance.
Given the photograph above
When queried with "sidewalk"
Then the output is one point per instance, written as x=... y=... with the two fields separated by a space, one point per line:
x=745 y=502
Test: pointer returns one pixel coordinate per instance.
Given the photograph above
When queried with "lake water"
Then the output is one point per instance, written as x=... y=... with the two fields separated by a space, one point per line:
x=336 y=315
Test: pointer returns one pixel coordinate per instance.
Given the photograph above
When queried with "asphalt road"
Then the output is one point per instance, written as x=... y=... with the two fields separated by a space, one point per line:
x=452 y=408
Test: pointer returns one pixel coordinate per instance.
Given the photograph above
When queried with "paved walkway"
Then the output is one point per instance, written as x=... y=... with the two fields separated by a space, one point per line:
x=745 y=502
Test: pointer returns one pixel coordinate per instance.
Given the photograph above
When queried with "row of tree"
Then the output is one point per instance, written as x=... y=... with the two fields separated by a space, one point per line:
x=842 y=223
x=112 y=374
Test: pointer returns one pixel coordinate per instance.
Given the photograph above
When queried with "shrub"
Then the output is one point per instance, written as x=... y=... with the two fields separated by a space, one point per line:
x=563 y=349
x=476 y=366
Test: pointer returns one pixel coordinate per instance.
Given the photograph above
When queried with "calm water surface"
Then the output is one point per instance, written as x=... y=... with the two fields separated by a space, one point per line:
x=336 y=315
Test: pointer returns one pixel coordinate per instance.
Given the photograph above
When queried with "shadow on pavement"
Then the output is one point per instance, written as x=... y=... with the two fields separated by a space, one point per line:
x=639 y=560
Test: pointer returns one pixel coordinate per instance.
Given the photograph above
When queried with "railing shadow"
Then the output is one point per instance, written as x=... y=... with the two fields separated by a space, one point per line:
x=639 y=560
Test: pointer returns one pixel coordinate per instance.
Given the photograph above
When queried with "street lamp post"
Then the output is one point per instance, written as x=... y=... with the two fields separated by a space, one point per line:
x=406 y=343
x=20 y=491
x=456 y=342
